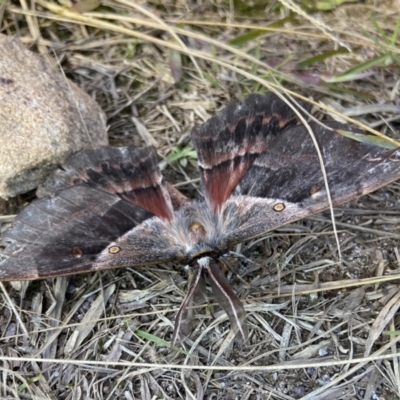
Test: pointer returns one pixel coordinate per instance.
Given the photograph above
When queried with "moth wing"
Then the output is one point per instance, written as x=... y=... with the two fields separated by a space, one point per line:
x=285 y=183
x=82 y=229
x=129 y=172
x=228 y=143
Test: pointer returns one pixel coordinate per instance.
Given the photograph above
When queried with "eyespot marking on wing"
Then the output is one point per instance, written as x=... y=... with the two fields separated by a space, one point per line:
x=76 y=252
x=279 y=207
x=314 y=189
x=114 y=249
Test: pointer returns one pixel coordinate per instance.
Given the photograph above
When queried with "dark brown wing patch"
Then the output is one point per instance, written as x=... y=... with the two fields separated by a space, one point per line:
x=228 y=144
x=290 y=169
x=64 y=234
x=129 y=172
x=285 y=183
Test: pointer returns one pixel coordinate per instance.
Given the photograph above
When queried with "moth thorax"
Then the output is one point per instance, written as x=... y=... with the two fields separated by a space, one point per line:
x=196 y=231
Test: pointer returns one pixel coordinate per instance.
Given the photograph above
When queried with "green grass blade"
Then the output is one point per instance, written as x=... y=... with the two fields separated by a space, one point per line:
x=321 y=57
x=369 y=139
x=255 y=33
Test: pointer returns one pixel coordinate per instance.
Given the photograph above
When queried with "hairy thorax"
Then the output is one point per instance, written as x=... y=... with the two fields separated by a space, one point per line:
x=198 y=229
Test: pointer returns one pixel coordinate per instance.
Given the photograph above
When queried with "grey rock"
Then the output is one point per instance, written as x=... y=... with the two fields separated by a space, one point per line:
x=44 y=118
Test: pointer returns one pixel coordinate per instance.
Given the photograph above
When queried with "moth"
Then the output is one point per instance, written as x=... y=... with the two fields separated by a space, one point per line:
x=259 y=168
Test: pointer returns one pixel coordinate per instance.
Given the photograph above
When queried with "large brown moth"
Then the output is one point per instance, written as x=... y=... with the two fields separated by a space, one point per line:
x=259 y=167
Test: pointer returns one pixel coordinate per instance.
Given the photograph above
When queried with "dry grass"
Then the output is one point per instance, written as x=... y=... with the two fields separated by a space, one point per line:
x=317 y=325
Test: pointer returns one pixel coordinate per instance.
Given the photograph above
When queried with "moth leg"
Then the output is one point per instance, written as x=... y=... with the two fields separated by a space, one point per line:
x=227 y=267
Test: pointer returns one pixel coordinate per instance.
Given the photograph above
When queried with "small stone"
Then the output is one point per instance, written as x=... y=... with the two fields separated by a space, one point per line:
x=44 y=119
